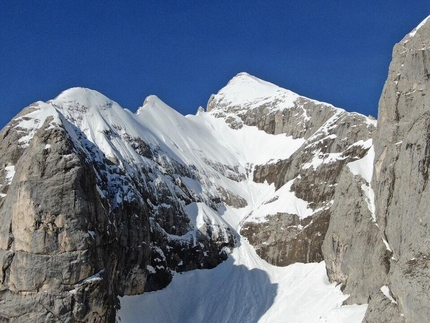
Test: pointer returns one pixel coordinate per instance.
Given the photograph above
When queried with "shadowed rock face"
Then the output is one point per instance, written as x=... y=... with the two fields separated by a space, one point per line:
x=50 y=209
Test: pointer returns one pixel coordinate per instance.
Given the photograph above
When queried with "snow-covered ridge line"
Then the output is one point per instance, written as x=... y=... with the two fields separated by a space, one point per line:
x=250 y=92
x=414 y=31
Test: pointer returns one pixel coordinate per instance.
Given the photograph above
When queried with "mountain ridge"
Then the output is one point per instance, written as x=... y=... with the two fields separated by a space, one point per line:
x=193 y=179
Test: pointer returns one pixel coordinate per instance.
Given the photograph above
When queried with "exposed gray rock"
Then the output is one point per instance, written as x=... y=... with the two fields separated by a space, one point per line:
x=382 y=309
x=270 y=108
x=50 y=209
x=353 y=249
x=333 y=138
x=390 y=251
x=401 y=173
x=284 y=238
x=81 y=225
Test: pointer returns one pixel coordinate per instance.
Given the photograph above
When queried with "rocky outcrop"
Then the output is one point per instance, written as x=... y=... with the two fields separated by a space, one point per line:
x=314 y=170
x=284 y=238
x=247 y=100
x=354 y=253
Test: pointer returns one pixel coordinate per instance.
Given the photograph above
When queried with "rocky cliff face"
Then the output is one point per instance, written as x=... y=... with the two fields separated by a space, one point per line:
x=401 y=173
x=115 y=202
x=60 y=243
x=385 y=263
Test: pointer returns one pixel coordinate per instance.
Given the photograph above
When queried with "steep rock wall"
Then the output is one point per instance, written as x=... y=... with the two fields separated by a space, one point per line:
x=384 y=261
x=402 y=147
x=353 y=249
x=61 y=250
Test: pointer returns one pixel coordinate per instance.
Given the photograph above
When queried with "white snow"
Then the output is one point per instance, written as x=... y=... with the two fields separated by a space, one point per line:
x=364 y=168
x=371 y=121
x=245 y=289
x=95 y=277
x=195 y=138
x=202 y=216
x=387 y=245
x=386 y=291
x=245 y=88
x=319 y=160
x=249 y=92
x=284 y=202
x=370 y=199
x=34 y=120
x=92 y=234
x=10 y=173
x=192 y=185
x=414 y=31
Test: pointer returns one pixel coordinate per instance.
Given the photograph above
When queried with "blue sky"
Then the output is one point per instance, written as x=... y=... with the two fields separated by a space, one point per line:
x=182 y=51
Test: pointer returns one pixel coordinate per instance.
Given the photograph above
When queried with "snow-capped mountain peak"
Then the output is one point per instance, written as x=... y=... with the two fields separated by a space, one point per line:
x=83 y=97
x=248 y=92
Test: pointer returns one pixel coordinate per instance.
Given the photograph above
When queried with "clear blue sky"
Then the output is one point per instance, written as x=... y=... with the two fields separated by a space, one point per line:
x=182 y=51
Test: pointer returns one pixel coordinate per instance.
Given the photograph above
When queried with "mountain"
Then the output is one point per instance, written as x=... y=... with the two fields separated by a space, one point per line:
x=267 y=207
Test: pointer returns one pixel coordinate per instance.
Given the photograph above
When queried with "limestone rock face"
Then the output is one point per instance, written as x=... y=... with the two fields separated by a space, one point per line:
x=401 y=173
x=384 y=262
x=54 y=219
x=353 y=250
x=247 y=100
